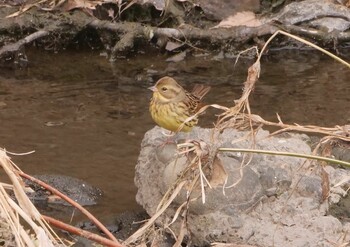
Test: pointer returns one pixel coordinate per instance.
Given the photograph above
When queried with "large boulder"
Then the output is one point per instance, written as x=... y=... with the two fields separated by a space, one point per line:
x=266 y=201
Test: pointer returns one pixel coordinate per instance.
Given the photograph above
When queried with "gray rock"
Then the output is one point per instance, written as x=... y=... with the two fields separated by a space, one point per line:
x=311 y=10
x=259 y=204
x=77 y=189
x=221 y=9
x=331 y=24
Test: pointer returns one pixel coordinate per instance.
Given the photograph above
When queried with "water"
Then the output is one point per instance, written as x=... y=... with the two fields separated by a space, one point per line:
x=85 y=117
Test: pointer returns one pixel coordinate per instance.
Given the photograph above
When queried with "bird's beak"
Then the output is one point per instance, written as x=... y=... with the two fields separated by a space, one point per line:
x=153 y=88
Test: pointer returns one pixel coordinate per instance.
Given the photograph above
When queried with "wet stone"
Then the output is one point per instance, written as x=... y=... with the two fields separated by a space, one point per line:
x=75 y=188
x=121 y=225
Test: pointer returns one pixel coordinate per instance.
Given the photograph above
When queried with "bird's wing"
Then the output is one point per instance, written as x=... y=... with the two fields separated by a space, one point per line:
x=192 y=102
x=200 y=90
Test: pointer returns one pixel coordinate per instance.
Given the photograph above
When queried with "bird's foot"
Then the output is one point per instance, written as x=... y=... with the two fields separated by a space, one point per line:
x=169 y=139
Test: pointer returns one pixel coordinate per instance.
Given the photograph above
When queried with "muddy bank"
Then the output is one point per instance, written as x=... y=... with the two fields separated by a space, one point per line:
x=169 y=29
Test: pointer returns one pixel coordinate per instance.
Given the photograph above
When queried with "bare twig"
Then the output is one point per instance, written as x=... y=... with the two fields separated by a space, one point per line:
x=81 y=232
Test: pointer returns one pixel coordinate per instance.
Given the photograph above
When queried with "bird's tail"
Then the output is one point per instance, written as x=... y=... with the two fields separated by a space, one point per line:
x=200 y=90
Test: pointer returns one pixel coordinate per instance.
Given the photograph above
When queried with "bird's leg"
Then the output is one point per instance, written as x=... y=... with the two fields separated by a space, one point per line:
x=169 y=138
x=169 y=134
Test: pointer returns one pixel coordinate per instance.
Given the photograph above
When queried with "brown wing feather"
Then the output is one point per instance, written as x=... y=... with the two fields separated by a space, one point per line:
x=192 y=103
x=200 y=90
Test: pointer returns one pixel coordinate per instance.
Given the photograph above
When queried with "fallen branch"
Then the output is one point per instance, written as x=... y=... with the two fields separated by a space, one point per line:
x=12 y=50
x=18 y=45
x=129 y=31
x=239 y=34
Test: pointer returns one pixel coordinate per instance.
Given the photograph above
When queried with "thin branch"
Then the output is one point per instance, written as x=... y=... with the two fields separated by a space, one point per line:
x=81 y=232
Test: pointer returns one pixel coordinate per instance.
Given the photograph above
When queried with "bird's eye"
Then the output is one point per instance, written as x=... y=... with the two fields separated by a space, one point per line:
x=164 y=89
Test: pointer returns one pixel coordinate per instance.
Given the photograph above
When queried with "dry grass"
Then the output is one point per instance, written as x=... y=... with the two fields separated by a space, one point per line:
x=21 y=224
x=22 y=212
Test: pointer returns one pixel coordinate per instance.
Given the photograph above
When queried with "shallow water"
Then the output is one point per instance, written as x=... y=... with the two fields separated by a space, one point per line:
x=85 y=117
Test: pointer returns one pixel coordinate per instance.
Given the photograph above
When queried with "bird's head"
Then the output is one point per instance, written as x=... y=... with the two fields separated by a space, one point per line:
x=167 y=89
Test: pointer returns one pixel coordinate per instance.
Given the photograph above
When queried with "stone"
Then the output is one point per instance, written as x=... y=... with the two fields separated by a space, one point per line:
x=220 y=9
x=265 y=200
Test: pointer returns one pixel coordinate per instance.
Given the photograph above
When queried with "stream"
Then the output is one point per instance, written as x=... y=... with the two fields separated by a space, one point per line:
x=86 y=117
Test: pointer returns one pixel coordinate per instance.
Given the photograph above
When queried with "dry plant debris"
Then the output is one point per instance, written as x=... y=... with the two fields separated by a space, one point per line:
x=38 y=231
x=13 y=213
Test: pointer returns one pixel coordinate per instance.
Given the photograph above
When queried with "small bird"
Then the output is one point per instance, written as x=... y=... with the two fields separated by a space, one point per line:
x=171 y=104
